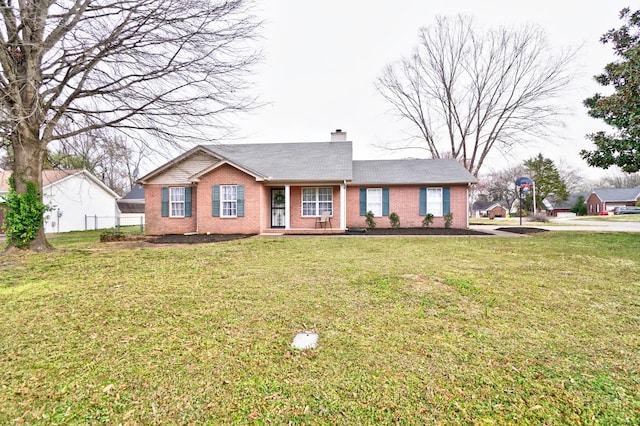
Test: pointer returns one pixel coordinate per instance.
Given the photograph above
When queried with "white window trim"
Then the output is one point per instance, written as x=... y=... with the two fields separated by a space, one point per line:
x=441 y=201
x=316 y=201
x=222 y=201
x=172 y=203
x=369 y=209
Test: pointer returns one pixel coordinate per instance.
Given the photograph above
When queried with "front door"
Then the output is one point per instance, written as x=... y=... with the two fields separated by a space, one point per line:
x=277 y=208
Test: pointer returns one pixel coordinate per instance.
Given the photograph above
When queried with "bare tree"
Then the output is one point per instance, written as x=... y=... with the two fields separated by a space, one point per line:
x=109 y=156
x=501 y=185
x=571 y=176
x=157 y=70
x=620 y=179
x=470 y=92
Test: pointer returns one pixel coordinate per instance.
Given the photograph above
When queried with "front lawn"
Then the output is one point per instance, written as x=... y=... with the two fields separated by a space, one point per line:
x=413 y=330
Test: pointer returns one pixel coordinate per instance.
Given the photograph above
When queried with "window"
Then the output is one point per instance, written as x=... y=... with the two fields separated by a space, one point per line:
x=434 y=201
x=317 y=200
x=176 y=202
x=229 y=200
x=374 y=201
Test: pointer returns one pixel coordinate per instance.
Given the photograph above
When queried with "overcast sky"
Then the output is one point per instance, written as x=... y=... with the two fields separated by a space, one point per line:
x=322 y=58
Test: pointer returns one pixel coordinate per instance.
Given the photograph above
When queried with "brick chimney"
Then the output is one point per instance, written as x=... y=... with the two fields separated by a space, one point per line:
x=338 y=136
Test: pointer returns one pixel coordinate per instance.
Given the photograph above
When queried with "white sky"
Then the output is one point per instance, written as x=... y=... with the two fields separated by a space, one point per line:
x=322 y=58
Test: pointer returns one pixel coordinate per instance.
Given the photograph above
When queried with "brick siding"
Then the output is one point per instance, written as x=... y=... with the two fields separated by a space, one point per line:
x=405 y=201
x=155 y=224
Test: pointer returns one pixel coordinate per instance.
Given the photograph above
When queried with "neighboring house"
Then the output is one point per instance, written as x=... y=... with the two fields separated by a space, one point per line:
x=490 y=209
x=605 y=200
x=563 y=208
x=285 y=187
x=131 y=207
x=78 y=200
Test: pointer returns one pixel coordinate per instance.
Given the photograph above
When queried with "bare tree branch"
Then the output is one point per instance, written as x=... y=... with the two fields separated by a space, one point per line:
x=470 y=93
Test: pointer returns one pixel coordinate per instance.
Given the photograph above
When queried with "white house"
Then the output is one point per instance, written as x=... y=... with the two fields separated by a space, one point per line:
x=78 y=200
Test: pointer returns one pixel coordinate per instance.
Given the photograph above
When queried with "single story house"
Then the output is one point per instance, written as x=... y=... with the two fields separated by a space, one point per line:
x=605 y=200
x=490 y=209
x=78 y=200
x=286 y=187
x=131 y=207
x=563 y=208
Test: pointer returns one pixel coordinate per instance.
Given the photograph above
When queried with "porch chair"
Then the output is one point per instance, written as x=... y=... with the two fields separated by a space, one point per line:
x=324 y=219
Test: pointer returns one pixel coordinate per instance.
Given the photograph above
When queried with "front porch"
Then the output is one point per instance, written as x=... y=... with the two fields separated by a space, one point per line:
x=303 y=231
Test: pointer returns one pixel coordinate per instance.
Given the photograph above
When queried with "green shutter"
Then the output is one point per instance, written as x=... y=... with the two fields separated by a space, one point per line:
x=165 y=201
x=423 y=201
x=187 y=201
x=385 y=201
x=240 y=200
x=446 y=200
x=215 y=201
x=363 y=201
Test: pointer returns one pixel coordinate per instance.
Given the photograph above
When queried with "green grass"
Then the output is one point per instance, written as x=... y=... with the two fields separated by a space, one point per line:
x=417 y=330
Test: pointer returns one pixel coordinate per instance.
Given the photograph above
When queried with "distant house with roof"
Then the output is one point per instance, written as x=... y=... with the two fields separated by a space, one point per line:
x=605 y=200
x=563 y=208
x=289 y=187
x=490 y=209
x=78 y=200
x=131 y=207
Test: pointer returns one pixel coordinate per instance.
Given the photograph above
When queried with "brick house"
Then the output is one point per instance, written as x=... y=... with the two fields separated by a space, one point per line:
x=285 y=187
x=490 y=209
x=605 y=200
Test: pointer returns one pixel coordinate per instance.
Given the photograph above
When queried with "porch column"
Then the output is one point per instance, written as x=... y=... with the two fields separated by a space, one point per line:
x=287 y=207
x=343 y=206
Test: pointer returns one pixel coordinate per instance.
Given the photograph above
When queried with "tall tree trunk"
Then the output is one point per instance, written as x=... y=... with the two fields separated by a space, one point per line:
x=29 y=154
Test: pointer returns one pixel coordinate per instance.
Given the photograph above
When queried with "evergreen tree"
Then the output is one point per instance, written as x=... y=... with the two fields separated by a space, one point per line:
x=621 y=110
x=548 y=182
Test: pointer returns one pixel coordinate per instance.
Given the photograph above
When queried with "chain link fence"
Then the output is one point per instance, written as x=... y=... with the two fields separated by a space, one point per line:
x=119 y=223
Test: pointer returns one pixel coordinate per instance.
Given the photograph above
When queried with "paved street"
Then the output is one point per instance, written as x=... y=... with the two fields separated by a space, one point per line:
x=572 y=224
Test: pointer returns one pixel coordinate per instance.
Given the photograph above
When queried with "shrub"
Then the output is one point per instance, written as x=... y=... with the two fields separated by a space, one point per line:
x=428 y=220
x=112 y=235
x=23 y=214
x=395 y=220
x=371 y=223
x=448 y=220
x=538 y=217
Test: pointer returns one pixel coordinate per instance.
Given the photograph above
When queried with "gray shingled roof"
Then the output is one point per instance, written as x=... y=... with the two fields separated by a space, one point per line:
x=136 y=193
x=410 y=171
x=618 y=194
x=570 y=202
x=306 y=161
x=485 y=205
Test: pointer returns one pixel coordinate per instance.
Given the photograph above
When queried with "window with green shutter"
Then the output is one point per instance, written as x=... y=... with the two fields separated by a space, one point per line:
x=227 y=201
